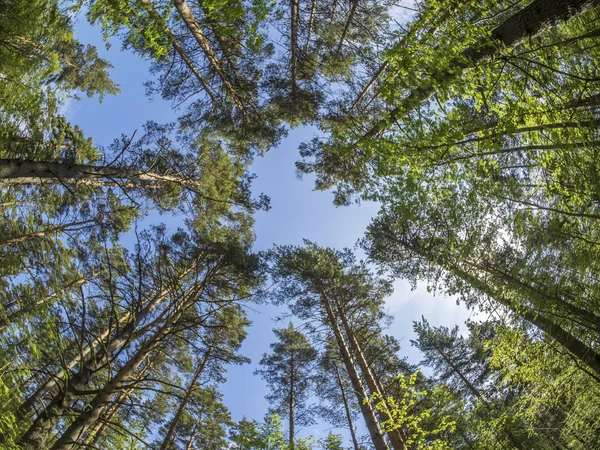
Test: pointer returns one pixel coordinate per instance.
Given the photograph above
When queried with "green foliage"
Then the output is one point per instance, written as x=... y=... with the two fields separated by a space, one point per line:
x=402 y=414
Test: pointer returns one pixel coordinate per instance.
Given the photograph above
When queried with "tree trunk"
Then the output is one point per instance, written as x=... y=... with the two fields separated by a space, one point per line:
x=396 y=437
x=147 y=5
x=363 y=399
x=291 y=401
x=16 y=172
x=311 y=21
x=347 y=25
x=465 y=380
x=525 y=24
x=294 y=18
x=194 y=27
x=74 y=226
x=47 y=420
x=347 y=409
x=120 y=339
x=12 y=317
x=100 y=427
x=193 y=434
x=579 y=349
x=188 y=394
x=87 y=418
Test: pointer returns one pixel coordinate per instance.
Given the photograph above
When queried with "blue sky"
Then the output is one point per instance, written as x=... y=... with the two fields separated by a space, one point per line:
x=297 y=212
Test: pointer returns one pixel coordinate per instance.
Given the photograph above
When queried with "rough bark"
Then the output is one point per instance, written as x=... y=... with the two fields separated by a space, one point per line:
x=16 y=172
x=126 y=327
x=87 y=418
x=47 y=420
x=523 y=25
x=100 y=427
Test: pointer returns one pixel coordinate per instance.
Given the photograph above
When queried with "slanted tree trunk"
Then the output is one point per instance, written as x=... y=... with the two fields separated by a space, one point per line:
x=292 y=401
x=578 y=348
x=347 y=408
x=17 y=172
x=126 y=328
x=99 y=428
x=396 y=437
x=23 y=311
x=473 y=390
x=73 y=226
x=87 y=418
x=363 y=399
x=525 y=24
x=311 y=22
x=47 y=420
x=194 y=27
x=188 y=394
x=347 y=25
x=147 y=5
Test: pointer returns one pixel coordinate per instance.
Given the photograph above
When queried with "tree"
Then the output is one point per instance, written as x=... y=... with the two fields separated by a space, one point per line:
x=288 y=372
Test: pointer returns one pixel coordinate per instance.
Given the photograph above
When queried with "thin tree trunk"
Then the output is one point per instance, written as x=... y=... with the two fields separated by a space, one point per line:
x=147 y=5
x=525 y=24
x=291 y=401
x=347 y=408
x=347 y=25
x=74 y=226
x=395 y=436
x=579 y=349
x=39 y=431
x=100 y=427
x=12 y=317
x=194 y=27
x=369 y=85
x=465 y=380
x=594 y=123
x=193 y=434
x=294 y=18
x=311 y=21
x=363 y=399
x=511 y=437
x=188 y=394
